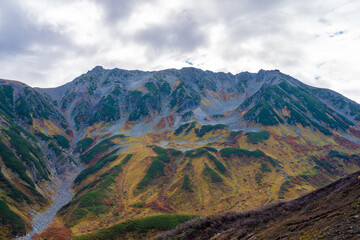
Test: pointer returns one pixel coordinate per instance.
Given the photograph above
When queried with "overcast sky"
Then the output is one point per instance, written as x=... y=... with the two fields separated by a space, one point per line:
x=46 y=43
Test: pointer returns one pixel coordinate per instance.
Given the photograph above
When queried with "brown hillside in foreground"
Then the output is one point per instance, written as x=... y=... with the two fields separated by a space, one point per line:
x=332 y=212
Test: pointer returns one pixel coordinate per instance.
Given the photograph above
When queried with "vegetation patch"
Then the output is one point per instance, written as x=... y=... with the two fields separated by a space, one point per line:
x=157 y=166
x=186 y=183
x=27 y=152
x=175 y=152
x=12 y=191
x=211 y=149
x=256 y=137
x=227 y=152
x=283 y=188
x=217 y=163
x=207 y=128
x=12 y=162
x=62 y=141
x=336 y=154
x=8 y=217
x=96 y=167
x=325 y=164
x=180 y=129
x=156 y=169
x=107 y=110
x=211 y=174
x=42 y=136
x=195 y=153
x=99 y=148
x=234 y=134
x=264 y=114
x=83 y=144
x=52 y=145
x=160 y=223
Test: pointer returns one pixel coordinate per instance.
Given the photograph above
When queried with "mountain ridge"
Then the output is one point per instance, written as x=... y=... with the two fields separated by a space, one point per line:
x=150 y=140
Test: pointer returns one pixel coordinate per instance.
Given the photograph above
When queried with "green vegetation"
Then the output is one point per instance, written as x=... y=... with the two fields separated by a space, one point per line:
x=151 y=87
x=265 y=168
x=27 y=152
x=264 y=114
x=178 y=94
x=227 y=152
x=273 y=162
x=83 y=144
x=207 y=128
x=165 y=88
x=336 y=154
x=283 y=188
x=159 y=223
x=162 y=154
x=116 y=91
x=211 y=149
x=137 y=104
x=256 y=137
x=8 y=92
x=211 y=174
x=12 y=162
x=89 y=202
x=258 y=177
x=187 y=116
x=108 y=110
x=62 y=141
x=180 y=129
x=217 y=163
x=23 y=110
x=98 y=191
x=192 y=125
x=8 y=217
x=216 y=116
x=325 y=164
x=234 y=134
x=99 y=148
x=186 y=184
x=174 y=152
x=317 y=109
x=195 y=153
x=96 y=167
x=296 y=117
x=42 y=136
x=156 y=168
x=12 y=191
x=52 y=145
x=126 y=159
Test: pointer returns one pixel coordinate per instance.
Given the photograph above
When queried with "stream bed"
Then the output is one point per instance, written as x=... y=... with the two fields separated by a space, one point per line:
x=44 y=219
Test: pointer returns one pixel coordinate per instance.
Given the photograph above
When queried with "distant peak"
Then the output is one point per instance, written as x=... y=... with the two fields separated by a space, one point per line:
x=98 y=68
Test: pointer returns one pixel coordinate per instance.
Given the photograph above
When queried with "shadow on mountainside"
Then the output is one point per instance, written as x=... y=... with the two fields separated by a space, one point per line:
x=332 y=212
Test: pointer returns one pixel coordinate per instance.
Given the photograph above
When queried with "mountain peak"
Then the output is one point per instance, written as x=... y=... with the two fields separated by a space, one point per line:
x=97 y=68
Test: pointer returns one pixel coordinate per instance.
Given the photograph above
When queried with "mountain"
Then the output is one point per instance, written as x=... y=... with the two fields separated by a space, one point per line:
x=331 y=212
x=139 y=144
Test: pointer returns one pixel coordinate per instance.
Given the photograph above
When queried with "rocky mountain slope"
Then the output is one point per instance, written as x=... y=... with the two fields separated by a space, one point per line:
x=150 y=141
x=331 y=212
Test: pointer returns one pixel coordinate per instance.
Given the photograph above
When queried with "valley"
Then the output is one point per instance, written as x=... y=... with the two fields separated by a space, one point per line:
x=175 y=144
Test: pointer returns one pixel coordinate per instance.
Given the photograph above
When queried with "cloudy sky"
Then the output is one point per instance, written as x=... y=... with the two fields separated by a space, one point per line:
x=46 y=43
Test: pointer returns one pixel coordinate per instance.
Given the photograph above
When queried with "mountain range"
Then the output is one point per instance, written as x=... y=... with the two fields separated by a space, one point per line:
x=184 y=143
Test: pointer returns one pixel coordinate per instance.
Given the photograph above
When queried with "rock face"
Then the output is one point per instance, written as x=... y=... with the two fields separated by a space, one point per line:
x=268 y=98
x=149 y=141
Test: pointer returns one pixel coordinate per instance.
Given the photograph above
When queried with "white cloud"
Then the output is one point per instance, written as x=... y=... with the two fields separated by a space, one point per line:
x=48 y=43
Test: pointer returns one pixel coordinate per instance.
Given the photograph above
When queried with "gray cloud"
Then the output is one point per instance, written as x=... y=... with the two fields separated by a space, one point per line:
x=180 y=33
x=116 y=10
x=18 y=33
